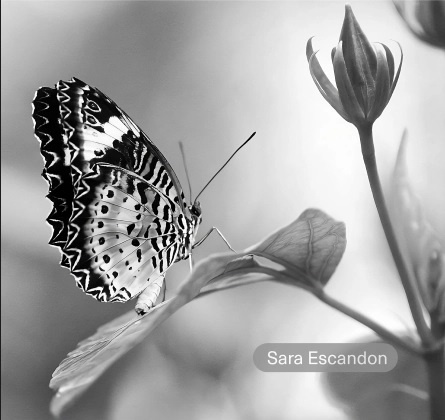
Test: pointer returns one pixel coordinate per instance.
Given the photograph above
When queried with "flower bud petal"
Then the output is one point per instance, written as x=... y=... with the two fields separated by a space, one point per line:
x=345 y=89
x=360 y=59
x=390 y=60
x=324 y=85
x=382 y=85
x=396 y=78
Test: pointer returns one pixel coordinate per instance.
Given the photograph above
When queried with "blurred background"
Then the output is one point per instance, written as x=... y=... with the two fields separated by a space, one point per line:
x=209 y=74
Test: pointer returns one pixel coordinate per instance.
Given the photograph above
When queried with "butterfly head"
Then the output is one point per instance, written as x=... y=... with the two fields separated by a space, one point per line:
x=195 y=212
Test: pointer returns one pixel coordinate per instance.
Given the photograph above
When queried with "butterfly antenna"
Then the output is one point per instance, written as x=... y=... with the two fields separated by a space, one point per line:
x=181 y=146
x=227 y=161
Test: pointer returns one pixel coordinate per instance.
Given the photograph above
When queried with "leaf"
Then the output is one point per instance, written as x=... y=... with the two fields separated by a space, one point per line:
x=419 y=244
x=238 y=272
x=308 y=250
x=94 y=355
x=424 y=19
x=399 y=394
x=311 y=246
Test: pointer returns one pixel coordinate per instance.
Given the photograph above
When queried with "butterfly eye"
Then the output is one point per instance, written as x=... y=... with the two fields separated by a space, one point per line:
x=195 y=209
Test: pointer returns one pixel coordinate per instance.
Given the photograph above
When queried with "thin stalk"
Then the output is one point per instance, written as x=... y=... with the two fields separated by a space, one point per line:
x=288 y=278
x=437 y=326
x=363 y=319
x=435 y=361
x=410 y=287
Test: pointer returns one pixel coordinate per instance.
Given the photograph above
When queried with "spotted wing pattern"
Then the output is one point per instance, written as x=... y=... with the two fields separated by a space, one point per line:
x=118 y=213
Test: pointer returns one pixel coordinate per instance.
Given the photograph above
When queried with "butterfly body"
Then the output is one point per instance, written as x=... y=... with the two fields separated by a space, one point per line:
x=119 y=214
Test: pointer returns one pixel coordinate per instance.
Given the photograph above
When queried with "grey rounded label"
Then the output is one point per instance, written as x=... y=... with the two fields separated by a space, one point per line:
x=325 y=357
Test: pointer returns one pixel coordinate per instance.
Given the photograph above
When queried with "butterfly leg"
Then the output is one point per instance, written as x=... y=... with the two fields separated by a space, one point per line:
x=207 y=235
x=149 y=295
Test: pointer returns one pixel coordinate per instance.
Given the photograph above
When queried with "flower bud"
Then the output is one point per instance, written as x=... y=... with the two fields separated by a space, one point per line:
x=364 y=75
x=425 y=19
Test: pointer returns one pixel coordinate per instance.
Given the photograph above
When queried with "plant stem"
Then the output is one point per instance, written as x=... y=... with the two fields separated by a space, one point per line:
x=363 y=319
x=437 y=326
x=436 y=381
x=435 y=361
x=409 y=285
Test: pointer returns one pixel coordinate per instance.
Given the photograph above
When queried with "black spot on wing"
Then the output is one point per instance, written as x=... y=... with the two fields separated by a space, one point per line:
x=161 y=262
x=141 y=190
x=154 y=244
x=155 y=204
x=130 y=228
x=164 y=180
x=165 y=213
x=154 y=262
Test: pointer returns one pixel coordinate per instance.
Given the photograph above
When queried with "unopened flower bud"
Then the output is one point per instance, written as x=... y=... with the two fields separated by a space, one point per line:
x=364 y=75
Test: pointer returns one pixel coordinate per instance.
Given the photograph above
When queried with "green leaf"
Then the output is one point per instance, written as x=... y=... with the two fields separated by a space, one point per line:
x=424 y=19
x=238 y=272
x=95 y=354
x=312 y=246
x=400 y=394
x=419 y=243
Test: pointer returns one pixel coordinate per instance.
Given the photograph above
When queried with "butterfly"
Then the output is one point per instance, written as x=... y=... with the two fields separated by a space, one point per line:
x=119 y=214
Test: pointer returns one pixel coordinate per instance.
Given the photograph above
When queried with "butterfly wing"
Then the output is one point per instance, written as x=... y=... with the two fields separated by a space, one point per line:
x=118 y=207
